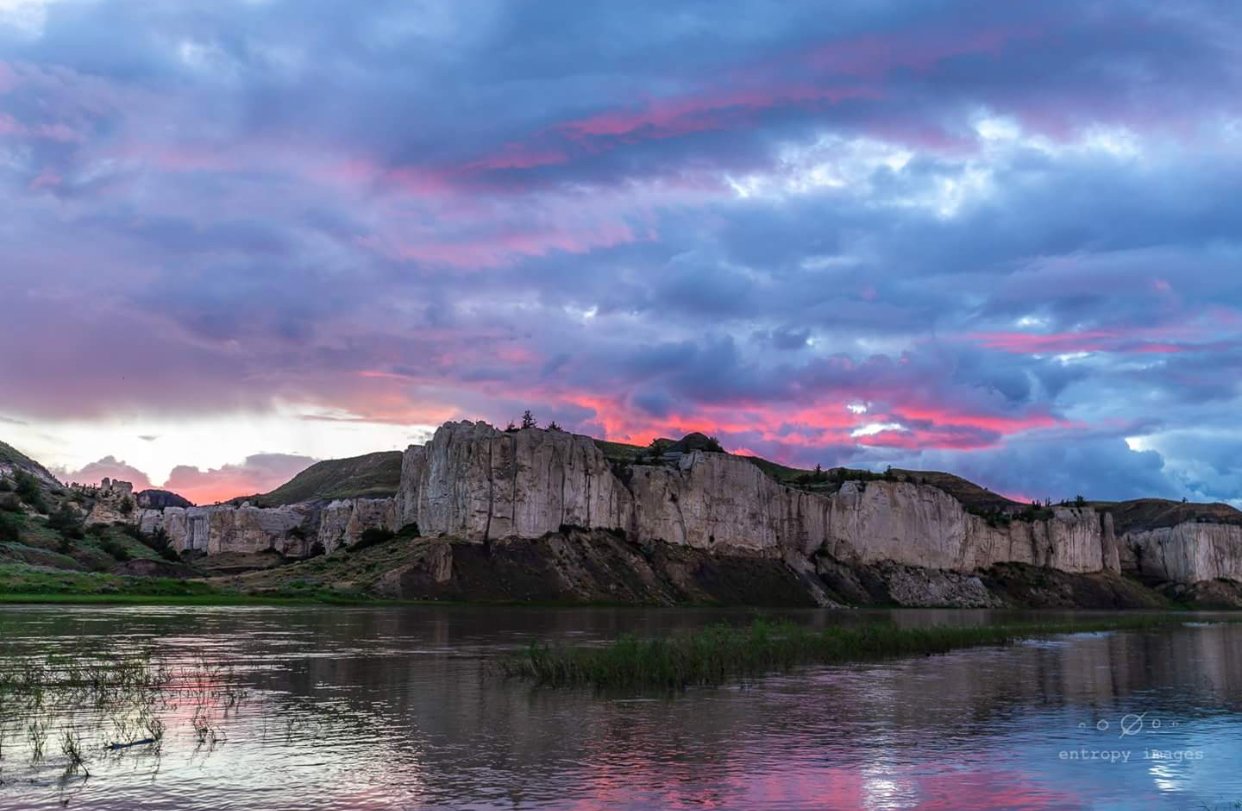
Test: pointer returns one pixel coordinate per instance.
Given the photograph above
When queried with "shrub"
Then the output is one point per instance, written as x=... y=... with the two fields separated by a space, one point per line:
x=372 y=536
x=67 y=522
x=169 y=554
x=127 y=506
x=28 y=490
x=10 y=529
x=9 y=502
x=6 y=486
x=116 y=549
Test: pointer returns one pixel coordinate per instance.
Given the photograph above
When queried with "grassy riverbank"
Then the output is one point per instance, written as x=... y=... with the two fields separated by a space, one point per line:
x=724 y=653
x=26 y=584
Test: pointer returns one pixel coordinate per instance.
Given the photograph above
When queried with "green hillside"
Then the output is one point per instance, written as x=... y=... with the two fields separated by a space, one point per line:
x=12 y=456
x=374 y=475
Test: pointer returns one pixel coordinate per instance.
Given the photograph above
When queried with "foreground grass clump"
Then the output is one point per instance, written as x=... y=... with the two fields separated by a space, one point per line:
x=722 y=653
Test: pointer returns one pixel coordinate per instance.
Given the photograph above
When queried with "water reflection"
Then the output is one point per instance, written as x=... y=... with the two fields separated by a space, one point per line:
x=382 y=708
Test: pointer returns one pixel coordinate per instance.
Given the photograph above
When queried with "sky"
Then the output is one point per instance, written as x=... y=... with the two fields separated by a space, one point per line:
x=998 y=239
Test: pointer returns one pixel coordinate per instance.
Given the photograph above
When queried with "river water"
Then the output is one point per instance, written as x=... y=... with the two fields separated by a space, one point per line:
x=377 y=708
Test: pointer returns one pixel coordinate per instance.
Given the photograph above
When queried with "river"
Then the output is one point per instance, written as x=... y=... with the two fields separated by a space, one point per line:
x=377 y=708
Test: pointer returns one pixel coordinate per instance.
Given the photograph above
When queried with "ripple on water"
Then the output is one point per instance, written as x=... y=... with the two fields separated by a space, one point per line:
x=379 y=708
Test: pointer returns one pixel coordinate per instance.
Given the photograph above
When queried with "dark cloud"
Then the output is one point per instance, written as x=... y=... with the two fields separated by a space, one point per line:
x=999 y=238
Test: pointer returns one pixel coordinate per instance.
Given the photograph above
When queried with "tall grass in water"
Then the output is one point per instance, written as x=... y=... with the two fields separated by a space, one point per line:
x=721 y=653
x=98 y=706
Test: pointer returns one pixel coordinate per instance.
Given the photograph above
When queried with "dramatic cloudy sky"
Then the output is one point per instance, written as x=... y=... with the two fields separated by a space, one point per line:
x=1001 y=239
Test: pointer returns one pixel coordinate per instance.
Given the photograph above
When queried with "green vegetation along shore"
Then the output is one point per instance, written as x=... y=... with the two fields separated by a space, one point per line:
x=722 y=653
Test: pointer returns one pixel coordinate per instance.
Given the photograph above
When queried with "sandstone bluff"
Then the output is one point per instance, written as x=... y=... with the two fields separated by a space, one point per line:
x=546 y=514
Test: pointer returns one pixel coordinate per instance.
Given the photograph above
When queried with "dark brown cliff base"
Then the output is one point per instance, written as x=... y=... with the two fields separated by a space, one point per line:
x=602 y=567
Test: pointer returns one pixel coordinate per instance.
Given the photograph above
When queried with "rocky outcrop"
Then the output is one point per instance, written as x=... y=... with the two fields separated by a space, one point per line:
x=113 y=501
x=160 y=499
x=476 y=483
x=297 y=530
x=922 y=525
x=1189 y=552
x=593 y=567
x=669 y=527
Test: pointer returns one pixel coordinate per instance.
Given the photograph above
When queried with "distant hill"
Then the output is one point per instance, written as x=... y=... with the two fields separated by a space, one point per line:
x=1154 y=513
x=374 y=475
x=973 y=497
x=160 y=499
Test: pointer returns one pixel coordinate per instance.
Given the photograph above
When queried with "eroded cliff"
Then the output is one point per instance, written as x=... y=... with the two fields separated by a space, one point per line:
x=505 y=499
x=474 y=482
x=297 y=530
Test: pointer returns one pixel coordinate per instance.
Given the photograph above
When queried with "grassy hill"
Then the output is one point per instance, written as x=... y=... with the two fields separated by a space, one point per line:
x=373 y=475
x=12 y=457
x=1154 y=513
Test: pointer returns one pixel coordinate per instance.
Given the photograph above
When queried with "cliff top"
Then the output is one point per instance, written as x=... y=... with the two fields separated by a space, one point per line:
x=1155 y=513
x=373 y=475
x=972 y=496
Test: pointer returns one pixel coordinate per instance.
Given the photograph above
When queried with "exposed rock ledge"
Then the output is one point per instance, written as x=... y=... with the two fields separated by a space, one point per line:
x=474 y=482
x=295 y=530
x=484 y=490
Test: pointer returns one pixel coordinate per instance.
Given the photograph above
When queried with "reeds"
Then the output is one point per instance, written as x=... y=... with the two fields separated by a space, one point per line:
x=98 y=704
x=721 y=653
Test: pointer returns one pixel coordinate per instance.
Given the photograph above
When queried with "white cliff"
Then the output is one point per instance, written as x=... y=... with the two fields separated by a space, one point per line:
x=292 y=530
x=474 y=482
x=1189 y=552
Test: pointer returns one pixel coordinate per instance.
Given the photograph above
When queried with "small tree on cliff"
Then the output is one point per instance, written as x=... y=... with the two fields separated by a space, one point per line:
x=528 y=420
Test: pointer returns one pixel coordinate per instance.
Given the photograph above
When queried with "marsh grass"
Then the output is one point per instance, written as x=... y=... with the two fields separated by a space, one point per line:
x=113 y=706
x=723 y=653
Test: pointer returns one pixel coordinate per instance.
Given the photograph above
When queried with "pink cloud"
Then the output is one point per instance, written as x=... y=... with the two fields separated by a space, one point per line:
x=1124 y=341
x=258 y=474
x=49 y=132
x=670 y=118
x=108 y=467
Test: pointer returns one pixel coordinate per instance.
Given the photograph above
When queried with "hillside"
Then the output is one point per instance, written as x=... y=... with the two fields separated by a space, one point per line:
x=374 y=475
x=13 y=459
x=974 y=497
x=1154 y=513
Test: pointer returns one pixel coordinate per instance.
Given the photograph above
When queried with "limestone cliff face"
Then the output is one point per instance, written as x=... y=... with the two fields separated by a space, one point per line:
x=292 y=530
x=921 y=525
x=477 y=483
x=1186 y=553
x=474 y=482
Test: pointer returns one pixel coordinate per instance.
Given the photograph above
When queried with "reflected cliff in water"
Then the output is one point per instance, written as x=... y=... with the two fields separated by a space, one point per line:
x=379 y=708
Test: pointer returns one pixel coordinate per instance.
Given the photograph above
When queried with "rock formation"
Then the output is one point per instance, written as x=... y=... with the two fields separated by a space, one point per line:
x=297 y=530
x=474 y=482
x=668 y=525
x=1189 y=552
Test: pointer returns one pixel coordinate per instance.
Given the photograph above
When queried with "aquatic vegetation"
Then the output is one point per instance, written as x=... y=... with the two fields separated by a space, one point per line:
x=721 y=653
x=99 y=705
